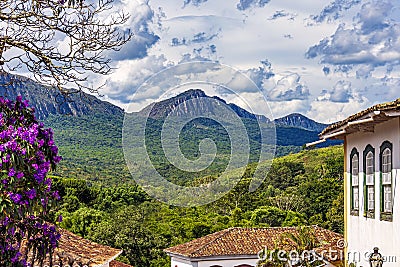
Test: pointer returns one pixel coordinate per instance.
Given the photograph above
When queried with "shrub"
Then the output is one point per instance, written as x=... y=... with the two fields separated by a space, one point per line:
x=27 y=154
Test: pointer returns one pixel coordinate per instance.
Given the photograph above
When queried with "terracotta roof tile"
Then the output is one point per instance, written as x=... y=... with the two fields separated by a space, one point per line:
x=74 y=250
x=394 y=105
x=245 y=241
x=118 y=264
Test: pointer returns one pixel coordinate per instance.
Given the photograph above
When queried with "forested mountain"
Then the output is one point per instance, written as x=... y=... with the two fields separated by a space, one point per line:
x=48 y=101
x=195 y=102
x=88 y=131
x=300 y=121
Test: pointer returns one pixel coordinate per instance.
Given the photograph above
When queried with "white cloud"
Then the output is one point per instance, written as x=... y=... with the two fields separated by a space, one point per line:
x=330 y=112
x=342 y=92
x=351 y=46
x=334 y=10
x=280 y=109
x=282 y=14
x=372 y=41
x=141 y=17
x=130 y=75
x=193 y=2
x=247 y=4
x=288 y=88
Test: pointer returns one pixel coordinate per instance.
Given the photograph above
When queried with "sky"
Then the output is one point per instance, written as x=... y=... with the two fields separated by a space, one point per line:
x=323 y=59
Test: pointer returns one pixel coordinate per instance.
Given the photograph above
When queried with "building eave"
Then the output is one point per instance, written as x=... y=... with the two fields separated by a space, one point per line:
x=212 y=258
x=389 y=108
x=361 y=122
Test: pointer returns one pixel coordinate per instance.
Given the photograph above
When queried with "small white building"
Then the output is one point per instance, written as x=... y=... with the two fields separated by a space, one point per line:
x=239 y=247
x=372 y=167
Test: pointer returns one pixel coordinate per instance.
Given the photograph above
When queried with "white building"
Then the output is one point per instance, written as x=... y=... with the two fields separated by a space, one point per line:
x=239 y=247
x=372 y=166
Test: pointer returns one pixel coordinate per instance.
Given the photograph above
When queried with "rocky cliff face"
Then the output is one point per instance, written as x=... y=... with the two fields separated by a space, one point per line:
x=301 y=121
x=48 y=101
x=194 y=102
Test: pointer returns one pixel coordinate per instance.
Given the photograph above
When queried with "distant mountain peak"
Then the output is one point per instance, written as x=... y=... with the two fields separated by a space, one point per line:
x=47 y=100
x=300 y=121
x=191 y=103
x=192 y=93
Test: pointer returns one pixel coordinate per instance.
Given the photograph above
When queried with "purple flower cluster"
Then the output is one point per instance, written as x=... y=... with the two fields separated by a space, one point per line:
x=27 y=154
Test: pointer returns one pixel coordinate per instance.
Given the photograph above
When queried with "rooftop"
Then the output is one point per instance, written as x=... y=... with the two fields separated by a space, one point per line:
x=246 y=241
x=118 y=264
x=363 y=120
x=74 y=250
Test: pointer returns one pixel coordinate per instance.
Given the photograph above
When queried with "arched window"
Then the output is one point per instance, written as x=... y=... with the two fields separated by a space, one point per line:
x=386 y=178
x=369 y=185
x=354 y=181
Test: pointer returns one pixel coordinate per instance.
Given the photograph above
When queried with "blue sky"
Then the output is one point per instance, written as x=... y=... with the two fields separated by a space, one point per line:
x=326 y=60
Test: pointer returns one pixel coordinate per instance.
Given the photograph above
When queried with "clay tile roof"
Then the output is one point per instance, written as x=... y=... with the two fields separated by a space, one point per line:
x=244 y=241
x=394 y=105
x=74 y=250
x=118 y=264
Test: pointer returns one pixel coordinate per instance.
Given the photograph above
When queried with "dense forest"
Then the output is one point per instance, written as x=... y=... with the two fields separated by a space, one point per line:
x=91 y=146
x=300 y=189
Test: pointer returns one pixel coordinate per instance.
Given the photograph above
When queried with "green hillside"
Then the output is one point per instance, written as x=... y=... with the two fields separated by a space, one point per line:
x=91 y=146
x=299 y=189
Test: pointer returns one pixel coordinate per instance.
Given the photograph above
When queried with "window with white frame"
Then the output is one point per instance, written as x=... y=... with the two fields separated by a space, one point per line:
x=354 y=180
x=369 y=187
x=386 y=178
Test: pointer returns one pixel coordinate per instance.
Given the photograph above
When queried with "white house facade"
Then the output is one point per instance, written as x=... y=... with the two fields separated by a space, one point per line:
x=372 y=188
x=227 y=261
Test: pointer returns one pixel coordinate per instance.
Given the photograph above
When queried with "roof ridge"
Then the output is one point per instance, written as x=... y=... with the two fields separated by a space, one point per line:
x=230 y=229
x=389 y=105
x=226 y=231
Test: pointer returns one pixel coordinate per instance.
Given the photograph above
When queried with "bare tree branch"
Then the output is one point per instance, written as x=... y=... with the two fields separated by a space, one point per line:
x=60 y=41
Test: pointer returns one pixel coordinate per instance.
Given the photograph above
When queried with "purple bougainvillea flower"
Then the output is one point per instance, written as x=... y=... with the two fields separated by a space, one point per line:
x=28 y=153
x=31 y=194
x=20 y=175
x=16 y=198
x=56 y=195
x=11 y=172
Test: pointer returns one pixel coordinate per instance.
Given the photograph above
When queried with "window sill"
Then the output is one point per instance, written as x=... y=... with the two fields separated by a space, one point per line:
x=387 y=216
x=354 y=212
x=369 y=214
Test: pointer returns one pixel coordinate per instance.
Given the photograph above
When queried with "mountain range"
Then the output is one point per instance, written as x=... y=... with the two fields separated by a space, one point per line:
x=48 y=101
x=88 y=130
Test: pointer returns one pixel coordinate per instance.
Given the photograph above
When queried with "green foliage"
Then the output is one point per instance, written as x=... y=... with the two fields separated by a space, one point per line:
x=91 y=146
x=272 y=217
x=82 y=220
x=301 y=189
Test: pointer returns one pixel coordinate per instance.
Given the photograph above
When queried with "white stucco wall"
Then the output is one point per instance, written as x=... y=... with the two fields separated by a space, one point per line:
x=224 y=262
x=363 y=234
x=207 y=262
x=228 y=263
x=178 y=262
